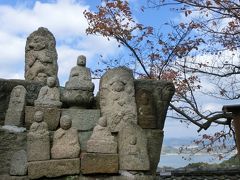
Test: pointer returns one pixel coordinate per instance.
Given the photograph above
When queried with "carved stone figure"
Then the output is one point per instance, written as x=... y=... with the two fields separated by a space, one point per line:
x=117 y=98
x=146 y=109
x=38 y=142
x=153 y=98
x=65 y=140
x=102 y=140
x=79 y=89
x=41 y=56
x=49 y=96
x=15 y=111
x=132 y=145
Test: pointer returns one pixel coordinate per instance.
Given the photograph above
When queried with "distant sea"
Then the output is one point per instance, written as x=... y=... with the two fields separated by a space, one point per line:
x=177 y=160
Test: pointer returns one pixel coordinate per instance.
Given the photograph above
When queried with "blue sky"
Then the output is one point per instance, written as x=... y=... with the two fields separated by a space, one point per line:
x=64 y=18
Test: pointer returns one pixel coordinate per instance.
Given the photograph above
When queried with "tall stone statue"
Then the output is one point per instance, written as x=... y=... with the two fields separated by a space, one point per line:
x=49 y=96
x=16 y=107
x=117 y=98
x=65 y=141
x=38 y=141
x=79 y=88
x=41 y=56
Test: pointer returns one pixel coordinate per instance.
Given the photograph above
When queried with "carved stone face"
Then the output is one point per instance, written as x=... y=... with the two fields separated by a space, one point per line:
x=17 y=92
x=133 y=140
x=51 y=81
x=118 y=86
x=42 y=77
x=81 y=61
x=65 y=122
x=38 y=116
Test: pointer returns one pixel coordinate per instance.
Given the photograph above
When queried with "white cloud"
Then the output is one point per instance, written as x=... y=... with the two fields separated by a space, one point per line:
x=65 y=19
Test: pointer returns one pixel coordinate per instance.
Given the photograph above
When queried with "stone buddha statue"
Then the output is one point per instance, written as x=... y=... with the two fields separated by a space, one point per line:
x=79 y=88
x=49 y=96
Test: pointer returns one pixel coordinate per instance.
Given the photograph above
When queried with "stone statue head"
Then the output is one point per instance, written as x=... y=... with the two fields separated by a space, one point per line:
x=102 y=121
x=38 y=116
x=81 y=60
x=42 y=77
x=65 y=122
x=118 y=86
x=51 y=81
x=133 y=140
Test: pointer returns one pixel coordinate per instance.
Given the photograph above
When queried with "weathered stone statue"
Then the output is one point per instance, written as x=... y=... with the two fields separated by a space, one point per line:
x=49 y=96
x=79 y=89
x=133 y=154
x=15 y=111
x=153 y=98
x=65 y=140
x=38 y=142
x=117 y=98
x=102 y=140
x=41 y=56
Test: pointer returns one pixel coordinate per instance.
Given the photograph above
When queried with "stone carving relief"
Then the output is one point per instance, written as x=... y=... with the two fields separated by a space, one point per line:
x=41 y=56
x=117 y=98
x=132 y=145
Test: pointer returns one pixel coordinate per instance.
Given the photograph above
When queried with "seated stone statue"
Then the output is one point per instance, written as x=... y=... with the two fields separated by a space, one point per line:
x=38 y=142
x=80 y=76
x=65 y=140
x=102 y=140
x=49 y=96
x=79 y=89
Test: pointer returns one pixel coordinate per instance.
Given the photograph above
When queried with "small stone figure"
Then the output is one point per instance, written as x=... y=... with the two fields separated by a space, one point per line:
x=79 y=89
x=102 y=140
x=15 y=111
x=49 y=96
x=41 y=56
x=65 y=140
x=38 y=142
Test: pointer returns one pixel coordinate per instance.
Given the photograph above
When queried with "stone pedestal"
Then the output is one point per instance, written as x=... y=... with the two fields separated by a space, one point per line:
x=94 y=163
x=53 y=168
x=38 y=147
x=51 y=116
x=101 y=146
x=19 y=163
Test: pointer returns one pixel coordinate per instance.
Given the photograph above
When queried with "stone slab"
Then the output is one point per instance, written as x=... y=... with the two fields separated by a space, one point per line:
x=19 y=163
x=94 y=163
x=53 y=168
x=154 y=146
x=98 y=146
x=51 y=116
x=83 y=119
